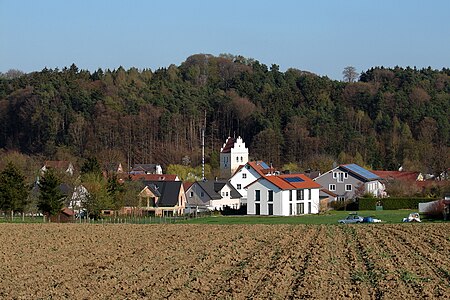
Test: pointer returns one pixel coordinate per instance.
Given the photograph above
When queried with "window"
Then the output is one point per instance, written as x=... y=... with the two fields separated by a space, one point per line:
x=346 y=175
x=290 y=209
x=340 y=177
x=226 y=194
x=332 y=187
x=191 y=194
x=300 y=194
x=340 y=198
x=290 y=195
x=300 y=208
x=309 y=194
x=309 y=207
x=270 y=196
x=237 y=159
x=244 y=175
x=257 y=209
x=257 y=195
x=242 y=159
x=270 y=209
x=238 y=186
x=202 y=194
x=348 y=187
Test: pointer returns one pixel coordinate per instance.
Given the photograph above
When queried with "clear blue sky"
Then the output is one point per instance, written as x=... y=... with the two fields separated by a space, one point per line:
x=314 y=35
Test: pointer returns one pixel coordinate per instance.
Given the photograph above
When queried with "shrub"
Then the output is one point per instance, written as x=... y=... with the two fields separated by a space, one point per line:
x=392 y=203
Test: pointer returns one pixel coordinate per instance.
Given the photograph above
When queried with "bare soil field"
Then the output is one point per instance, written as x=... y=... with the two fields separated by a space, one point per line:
x=122 y=261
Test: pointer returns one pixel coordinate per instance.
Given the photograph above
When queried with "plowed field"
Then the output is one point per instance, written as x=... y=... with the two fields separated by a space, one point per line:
x=85 y=261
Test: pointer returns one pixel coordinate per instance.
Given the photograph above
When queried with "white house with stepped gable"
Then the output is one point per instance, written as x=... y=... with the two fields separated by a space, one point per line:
x=232 y=155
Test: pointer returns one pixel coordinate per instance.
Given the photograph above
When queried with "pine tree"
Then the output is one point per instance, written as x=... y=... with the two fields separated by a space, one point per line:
x=13 y=190
x=51 y=199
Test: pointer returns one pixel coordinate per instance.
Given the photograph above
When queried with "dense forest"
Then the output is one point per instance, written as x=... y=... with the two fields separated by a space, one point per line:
x=389 y=117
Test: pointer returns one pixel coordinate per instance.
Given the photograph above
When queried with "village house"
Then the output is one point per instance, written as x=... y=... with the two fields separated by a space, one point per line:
x=246 y=174
x=283 y=195
x=211 y=195
x=146 y=169
x=159 y=198
x=59 y=165
x=350 y=181
x=232 y=155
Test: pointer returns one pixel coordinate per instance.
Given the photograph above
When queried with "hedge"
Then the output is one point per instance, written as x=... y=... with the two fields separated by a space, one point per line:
x=392 y=203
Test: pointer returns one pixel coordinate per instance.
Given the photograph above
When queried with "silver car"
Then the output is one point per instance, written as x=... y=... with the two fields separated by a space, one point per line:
x=351 y=219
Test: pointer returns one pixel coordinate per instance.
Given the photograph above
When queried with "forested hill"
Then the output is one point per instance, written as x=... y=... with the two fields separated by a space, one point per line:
x=390 y=117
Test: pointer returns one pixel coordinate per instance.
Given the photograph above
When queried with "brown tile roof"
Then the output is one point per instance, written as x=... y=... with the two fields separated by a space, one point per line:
x=328 y=192
x=57 y=164
x=152 y=177
x=227 y=147
x=400 y=175
x=67 y=211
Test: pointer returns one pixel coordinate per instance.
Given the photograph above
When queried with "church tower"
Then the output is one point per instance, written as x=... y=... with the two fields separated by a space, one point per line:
x=232 y=155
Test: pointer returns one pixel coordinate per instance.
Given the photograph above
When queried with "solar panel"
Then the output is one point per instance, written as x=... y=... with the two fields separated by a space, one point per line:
x=293 y=179
x=264 y=165
x=361 y=171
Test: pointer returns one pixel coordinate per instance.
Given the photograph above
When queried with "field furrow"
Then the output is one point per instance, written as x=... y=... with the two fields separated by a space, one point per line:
x=175 y=261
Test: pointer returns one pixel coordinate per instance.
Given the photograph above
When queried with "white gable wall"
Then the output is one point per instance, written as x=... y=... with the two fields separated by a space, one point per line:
x=281 y=202
x=239 y=155
x=250 y=175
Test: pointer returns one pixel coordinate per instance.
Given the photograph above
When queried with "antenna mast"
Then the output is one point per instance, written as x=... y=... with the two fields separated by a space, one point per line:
x=203 y=149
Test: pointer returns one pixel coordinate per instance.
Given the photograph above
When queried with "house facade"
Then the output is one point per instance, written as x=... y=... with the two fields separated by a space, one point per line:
x=161 y=198
x=232 y=155
x=146 y=169
x=59 y=165
x=246 y=174
x=211 y=195
x=350 y=181
x=283 y=195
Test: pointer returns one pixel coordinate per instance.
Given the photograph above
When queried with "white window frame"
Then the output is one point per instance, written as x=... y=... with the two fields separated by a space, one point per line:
x=348 y=189
x=238 y=186
x=332 y=189
x=244 y=175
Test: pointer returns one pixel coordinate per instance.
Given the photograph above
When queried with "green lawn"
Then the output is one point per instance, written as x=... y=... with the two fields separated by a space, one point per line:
x=332 y=217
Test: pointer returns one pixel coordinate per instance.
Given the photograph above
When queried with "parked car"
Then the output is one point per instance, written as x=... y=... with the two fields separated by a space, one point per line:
x=352 y=218
x=371 y=220
x=413 y=217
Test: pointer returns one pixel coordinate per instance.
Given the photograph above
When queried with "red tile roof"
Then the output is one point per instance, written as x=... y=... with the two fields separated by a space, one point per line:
x=229 y=144
x=281 y=182
x=187 y=185
x=400 y=175
x=257 y=165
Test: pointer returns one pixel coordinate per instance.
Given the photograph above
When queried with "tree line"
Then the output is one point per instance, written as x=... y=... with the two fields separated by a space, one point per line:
x=388 y=117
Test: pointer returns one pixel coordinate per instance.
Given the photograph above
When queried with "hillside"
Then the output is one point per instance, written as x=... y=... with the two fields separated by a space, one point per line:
x=390 y=117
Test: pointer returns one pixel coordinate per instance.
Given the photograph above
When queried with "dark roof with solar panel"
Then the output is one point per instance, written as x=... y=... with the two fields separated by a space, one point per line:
x=360 y=171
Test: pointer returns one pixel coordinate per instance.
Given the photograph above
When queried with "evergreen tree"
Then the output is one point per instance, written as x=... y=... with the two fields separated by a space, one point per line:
x=51 y=199
x=91 y=165
x=13 y=190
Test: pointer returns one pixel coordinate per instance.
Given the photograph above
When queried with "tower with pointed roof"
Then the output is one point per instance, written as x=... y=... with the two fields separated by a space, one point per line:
x=232 y=155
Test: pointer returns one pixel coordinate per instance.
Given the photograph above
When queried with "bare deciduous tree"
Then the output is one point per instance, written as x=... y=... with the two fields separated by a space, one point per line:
x=350 y=74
